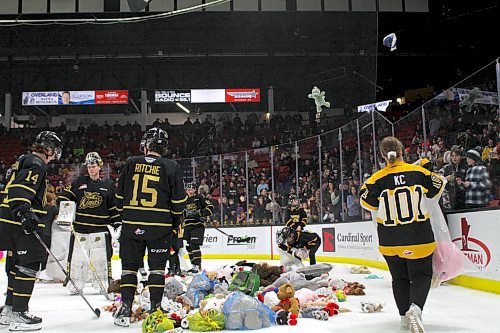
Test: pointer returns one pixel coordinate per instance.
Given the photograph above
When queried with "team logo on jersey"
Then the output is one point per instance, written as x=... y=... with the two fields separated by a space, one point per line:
x=90 y=200
x=407 y=252
x=139 y=232
x=192 y=207
x=83 y=186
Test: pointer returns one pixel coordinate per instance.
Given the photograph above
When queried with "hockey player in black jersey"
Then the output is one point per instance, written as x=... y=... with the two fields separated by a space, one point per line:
x=296 y=217
x=20 y=212
x=197 y=209
x=296 y=242
x=95 y=211
x=152 y=198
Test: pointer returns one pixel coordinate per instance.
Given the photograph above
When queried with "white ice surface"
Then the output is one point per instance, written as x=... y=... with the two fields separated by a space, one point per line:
x=448 y=309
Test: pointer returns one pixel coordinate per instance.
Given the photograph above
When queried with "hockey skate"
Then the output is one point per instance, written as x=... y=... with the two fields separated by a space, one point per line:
x=122 y=316
x=193 y=271
x=5 y=315
x=414 y=318
x=25 y=321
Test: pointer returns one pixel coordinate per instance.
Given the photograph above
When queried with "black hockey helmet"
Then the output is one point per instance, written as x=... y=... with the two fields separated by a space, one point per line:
x=50 y=140
x=283 y=234
x=155 y=139
x=93 y=158
x=191 y=186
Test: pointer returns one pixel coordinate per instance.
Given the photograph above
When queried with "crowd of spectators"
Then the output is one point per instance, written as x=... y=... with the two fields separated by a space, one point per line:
x=452 y=133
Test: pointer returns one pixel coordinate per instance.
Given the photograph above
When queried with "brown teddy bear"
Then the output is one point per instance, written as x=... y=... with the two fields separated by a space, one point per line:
x=355 y=288
x=287 y=302
x=268 y=274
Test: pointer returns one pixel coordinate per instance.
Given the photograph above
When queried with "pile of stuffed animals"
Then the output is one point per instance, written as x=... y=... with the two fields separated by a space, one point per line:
x=245 y=296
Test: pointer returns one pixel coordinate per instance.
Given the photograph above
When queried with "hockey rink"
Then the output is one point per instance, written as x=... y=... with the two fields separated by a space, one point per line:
x=449 y=308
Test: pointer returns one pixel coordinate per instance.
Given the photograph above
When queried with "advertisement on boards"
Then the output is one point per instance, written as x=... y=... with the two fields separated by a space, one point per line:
x=476 y=235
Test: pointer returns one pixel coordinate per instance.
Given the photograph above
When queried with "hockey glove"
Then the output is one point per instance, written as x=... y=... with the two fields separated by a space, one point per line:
x=29 y=220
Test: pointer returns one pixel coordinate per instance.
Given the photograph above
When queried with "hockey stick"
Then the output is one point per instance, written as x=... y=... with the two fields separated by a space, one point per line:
x=236 y=239
x=96 y=311
x=92 y=268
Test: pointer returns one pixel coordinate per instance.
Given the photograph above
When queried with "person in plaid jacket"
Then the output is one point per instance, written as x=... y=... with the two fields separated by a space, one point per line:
x=477 y=181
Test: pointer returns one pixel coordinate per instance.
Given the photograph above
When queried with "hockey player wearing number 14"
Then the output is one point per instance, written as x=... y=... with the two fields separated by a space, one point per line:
x=400 y=197
x=151 y=196
x=20 y=213
x=95 y=211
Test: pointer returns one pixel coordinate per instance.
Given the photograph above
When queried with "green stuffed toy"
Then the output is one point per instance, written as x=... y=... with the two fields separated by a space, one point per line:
x=157 y=322
x=319 y=99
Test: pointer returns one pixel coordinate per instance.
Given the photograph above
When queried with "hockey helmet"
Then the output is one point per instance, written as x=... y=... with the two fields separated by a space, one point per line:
x=50 y=140
x=191 y=186
x=93 y=158
x=154 y=139
x=295 y=203
x=284 y=234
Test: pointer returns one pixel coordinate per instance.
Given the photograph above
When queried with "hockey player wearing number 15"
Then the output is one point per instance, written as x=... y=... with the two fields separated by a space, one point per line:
x=151 y=196
x=95 y=211
x=401 y=197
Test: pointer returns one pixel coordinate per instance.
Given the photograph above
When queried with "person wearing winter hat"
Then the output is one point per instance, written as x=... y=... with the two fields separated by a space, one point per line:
x=455 y=170
x=477 y=180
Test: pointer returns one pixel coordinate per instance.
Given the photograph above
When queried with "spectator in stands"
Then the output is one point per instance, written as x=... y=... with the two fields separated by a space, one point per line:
x=353 y=205
x=477 y=181
x=262 y=186
x=255 y=143
x=204 y=186
x=468 y=141
x=259 y=210
x=488 y=151
x=434 y=125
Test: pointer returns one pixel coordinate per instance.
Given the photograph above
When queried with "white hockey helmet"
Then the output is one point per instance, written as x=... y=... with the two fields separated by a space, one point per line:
x=93 y=158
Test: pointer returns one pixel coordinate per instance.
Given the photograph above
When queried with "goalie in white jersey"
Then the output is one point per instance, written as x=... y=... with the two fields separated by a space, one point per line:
x=95 y=211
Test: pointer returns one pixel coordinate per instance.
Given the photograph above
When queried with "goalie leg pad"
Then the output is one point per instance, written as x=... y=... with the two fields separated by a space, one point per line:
x=99 y=253
x=79 y=268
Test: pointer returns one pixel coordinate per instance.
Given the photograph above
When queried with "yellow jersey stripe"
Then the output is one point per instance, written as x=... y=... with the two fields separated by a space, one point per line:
x=21 y=295
x=409 y=251
x=10 y=221
x=67 y=190
x=23 y=187
x=156 y=286
x=18 y=199
x=176 y=213
x=147 y=223
x=179 y=201
x=39 y=211
x=24 y=279
x=118 y=196
x=128 y=285
x=115 y=216
x=147 y=208
x=91 y=224
x=96 y=216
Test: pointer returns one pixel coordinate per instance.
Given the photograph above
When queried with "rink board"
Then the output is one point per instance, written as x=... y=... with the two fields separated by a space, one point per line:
x=475 y=233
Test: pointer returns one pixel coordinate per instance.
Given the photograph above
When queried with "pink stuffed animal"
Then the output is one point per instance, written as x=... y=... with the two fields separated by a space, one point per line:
x=306 y=295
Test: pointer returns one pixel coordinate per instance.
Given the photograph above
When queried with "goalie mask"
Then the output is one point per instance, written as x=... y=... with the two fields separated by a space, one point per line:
x=50 y=140
x=155 y=139
x=93 y=158
x=283 y=235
